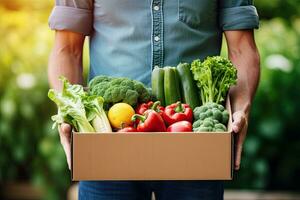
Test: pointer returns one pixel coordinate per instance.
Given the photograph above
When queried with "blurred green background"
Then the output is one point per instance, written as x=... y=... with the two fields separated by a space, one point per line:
x=30 y=151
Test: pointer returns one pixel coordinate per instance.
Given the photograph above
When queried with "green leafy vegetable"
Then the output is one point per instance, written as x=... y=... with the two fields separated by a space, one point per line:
x=214 y=76
x=78 y=109
x=95 y=113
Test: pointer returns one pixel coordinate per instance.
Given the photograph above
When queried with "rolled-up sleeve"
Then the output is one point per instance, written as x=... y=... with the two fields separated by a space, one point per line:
x=237 y=15
x=72 y=15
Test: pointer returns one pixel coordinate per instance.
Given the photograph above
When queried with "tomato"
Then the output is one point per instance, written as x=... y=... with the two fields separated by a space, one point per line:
x=181 y=126
x=127 y=129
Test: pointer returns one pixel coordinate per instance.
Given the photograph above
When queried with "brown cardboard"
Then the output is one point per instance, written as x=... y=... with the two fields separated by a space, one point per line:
x=153 y=156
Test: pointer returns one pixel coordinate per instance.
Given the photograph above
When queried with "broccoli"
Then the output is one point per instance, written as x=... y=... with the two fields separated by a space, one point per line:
x=211 y=110
x=121 y=89
x=210 y=117
x=144 y=94
x=208 y=125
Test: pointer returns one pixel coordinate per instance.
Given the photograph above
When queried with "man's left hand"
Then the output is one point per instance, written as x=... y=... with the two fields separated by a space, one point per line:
x=239 y=127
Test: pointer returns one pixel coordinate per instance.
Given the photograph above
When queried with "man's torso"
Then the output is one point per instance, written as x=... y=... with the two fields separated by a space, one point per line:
x=131 y=37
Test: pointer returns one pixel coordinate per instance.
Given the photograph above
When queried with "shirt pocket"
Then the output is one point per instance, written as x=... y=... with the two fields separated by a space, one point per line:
x=195 y=13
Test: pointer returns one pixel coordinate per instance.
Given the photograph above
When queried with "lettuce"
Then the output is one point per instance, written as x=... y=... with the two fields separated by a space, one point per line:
x=83 y=112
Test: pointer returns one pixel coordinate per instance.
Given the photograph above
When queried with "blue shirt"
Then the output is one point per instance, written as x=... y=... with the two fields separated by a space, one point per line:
x=130 y=37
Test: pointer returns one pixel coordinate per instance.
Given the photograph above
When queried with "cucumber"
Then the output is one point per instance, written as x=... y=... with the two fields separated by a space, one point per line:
x=177 y=81
x=157 y=82
x=171 y=86
x=190 y=92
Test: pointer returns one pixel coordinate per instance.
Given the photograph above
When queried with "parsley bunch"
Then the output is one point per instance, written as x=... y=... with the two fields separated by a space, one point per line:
x=214 y=76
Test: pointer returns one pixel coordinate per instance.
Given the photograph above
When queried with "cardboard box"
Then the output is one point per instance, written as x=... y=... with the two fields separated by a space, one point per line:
x=153 y=156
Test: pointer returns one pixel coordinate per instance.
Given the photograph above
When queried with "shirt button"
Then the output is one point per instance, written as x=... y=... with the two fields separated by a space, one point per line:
x=156 y=38
x=156 y=8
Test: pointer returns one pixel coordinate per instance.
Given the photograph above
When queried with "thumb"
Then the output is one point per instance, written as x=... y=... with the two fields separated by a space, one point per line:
x=65 y=139
x=66 y=128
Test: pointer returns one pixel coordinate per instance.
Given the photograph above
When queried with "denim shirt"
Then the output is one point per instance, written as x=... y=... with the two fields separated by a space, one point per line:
x=130 y=37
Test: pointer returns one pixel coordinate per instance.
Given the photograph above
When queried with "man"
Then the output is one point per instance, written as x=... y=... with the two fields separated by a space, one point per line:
x=131 y=37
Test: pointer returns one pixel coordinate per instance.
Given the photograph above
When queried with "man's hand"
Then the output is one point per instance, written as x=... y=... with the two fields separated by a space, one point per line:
x=65 y=131
x=66 y=60
x=244 y=55
x=239 y=127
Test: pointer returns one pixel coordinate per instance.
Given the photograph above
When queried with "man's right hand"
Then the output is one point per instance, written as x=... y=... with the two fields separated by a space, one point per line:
x=65 y=131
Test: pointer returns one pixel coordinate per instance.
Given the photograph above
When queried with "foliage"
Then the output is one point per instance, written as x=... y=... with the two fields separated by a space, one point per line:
x=30 y=150
x=285 y=9
x=272 y=148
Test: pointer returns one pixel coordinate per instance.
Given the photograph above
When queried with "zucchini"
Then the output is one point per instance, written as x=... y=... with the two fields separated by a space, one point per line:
x=190 y=92
x=157 y=82
x=171 y=86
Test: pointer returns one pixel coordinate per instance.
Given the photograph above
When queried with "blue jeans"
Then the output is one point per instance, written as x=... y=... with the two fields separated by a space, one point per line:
x=142 y=190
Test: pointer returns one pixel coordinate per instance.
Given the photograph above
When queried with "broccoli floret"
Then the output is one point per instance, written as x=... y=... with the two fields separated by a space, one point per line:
x=204 y=129
x=129 y=83
x=144 y=95
x=217 y=114
x=208 y=125
x=199 y=110
x=213 y=111
x=225 y=117
x=121 y=89
x=131 y=97
x=221 y=107
x=208 y=122
x=210 y=117
x=98 y=79
x=219 y=126
x=100 y=88
x=197 y=123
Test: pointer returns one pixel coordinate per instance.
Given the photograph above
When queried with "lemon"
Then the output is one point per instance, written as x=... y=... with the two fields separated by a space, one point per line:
x=120 y=113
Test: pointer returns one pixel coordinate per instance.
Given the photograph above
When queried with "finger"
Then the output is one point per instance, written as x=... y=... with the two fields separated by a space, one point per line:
x=65 y=133
x=67 y=149
x=66 y=128
x=238 y=156
x=238 y=122
x=65 y=140
x=239 y=148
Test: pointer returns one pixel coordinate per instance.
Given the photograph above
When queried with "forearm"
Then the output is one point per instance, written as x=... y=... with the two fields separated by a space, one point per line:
x=242 y=94
x=65 y=60
x=245 y=57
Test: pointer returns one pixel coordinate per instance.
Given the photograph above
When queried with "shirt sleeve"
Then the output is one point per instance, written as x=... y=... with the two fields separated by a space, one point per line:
x=72 y=15
x=237 y=15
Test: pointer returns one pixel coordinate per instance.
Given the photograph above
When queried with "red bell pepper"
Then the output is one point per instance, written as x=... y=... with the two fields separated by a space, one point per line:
x=151 y=121
x=178 y=112
x=150 y=105
x=182 y=126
